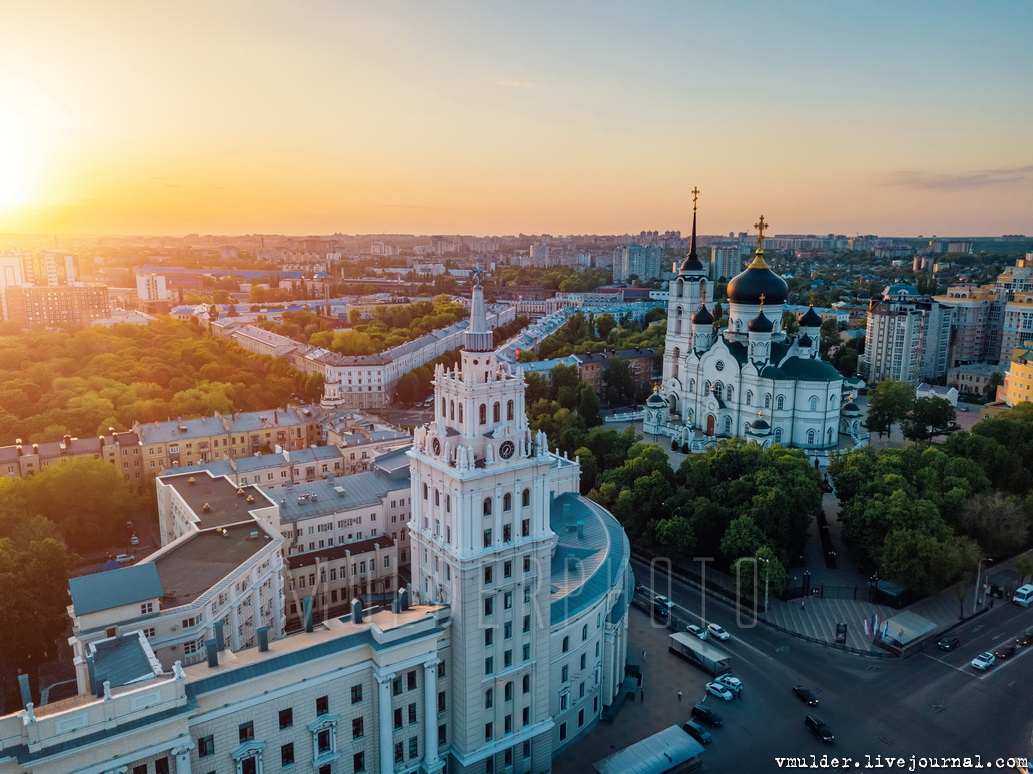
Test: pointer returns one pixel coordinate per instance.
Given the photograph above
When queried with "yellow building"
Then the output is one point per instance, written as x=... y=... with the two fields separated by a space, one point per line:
x=1018 y=381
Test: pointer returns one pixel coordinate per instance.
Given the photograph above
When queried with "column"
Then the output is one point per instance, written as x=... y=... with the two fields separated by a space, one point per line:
x=182 y=754
x=430 y=712
x=387 y=764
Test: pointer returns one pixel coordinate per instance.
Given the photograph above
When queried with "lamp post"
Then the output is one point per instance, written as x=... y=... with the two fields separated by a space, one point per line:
x=767 y=580
x=979 y=569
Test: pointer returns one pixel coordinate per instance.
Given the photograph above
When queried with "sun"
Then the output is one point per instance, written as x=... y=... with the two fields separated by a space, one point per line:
x=18 y=164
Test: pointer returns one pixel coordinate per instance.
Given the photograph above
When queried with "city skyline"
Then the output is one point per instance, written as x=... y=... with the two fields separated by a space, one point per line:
x=568 y=119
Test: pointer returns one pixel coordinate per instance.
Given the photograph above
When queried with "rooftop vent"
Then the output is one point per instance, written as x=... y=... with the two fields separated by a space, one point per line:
x=191 y=480
x=206 y=508
x=250 y=498
x=240 y=491
x=182 y=428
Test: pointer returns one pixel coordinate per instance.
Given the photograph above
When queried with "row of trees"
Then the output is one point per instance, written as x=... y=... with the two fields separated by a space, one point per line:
x=920 y=419
x=84 y=381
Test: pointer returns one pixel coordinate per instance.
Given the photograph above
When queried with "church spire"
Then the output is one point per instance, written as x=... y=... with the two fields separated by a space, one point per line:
x=692 y=262
x=758 y=259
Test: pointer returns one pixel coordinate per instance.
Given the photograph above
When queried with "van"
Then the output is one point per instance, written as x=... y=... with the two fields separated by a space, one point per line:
x=1023 y=595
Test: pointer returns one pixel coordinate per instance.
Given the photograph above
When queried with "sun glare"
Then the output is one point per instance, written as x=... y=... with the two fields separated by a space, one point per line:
x=18 y=177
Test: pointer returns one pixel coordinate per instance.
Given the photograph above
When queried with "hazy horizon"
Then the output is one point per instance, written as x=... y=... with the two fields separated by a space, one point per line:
x=566 y=117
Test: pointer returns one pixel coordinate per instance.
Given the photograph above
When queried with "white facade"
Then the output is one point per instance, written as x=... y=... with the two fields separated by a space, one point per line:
x=908 y=337
x=151 y=287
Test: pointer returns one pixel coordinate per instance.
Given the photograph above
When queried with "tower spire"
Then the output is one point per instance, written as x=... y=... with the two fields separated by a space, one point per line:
x=692 y=262
x=758 y=259
x=478 y=337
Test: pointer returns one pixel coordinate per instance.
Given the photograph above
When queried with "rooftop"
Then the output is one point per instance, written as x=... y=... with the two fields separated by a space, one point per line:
x=114 y=588
x=337 y=495
x=340 y=551
x=190 y=569
x=123 y=659
x=227 y=506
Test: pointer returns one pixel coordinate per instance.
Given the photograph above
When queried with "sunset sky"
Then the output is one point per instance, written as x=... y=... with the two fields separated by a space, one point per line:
x=559 y=116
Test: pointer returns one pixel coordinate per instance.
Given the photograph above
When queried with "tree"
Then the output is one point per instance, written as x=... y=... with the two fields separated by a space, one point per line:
x=997 y=524
x=742 y=538
x=888 y=403
x=588 y=405
x=923 y=562
x=990 y=391
x=1024 y=566
x=927 y=417
x=619 y=380
x=604 y=324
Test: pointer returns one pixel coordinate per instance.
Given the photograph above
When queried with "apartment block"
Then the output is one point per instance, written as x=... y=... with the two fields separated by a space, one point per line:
x=78 y=304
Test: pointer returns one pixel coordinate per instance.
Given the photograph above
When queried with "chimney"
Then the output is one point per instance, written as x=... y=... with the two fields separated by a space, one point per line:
x=357 y=610
x=306 y=607
x=263 y=638
x=220 y=637
x=403 y=599
x=580 y=530
x=91 y=675
x=212 y=647
x=26 y=690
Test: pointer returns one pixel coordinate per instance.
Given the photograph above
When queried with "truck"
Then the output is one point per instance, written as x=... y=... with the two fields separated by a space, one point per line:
x=707 y=657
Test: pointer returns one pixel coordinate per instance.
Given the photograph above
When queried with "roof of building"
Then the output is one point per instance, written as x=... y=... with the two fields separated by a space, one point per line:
x=114 y=588
x=939 y=389
x=192 y=567
x=340 y=551
x=702 y=316
x=755 y=281
x=227 y=503
x=338 y=495
x=225 y=424
x=810 y=318
x=663 y=751
x=121 y=660
x=584 y=568
x=761 y=323
x=807 y=369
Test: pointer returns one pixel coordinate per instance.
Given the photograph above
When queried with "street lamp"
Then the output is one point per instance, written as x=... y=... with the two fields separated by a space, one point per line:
x=979 y=569
x=767 y=581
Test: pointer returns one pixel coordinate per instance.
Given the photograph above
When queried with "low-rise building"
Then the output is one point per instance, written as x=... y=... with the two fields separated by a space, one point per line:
x=122 y=450
x=1018 y=380
x=971 y=380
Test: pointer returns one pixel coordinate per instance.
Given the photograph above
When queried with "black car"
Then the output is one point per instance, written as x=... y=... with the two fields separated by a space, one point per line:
x=707 y=715
x=1006 y=650
x=697 y=732
x=805 y=695
x=950 y=642
x=1025 y=638
x=819 y=728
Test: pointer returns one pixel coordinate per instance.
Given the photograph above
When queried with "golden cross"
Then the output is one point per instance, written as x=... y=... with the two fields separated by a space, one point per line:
x=762 y=299
x=695 y=195
x=703 y=293
x=760 y=225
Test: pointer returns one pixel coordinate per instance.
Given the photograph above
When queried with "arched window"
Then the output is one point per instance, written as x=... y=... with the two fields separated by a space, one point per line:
x=810 y=437
x=507 y=502
x=460 y=413
x=749 y=397
x=509 y=410
x=813 y=402
x=507 y=692
x=442 y=407
x=484 y=413
x=780 y=403
x=525 y=498
x=692 y=385
x=729 y=393
x=706 y=387
x=451 y=409
x=566 y=644
x=448 y=503
x=829 y=436
x=678 y=311
x=425 y=492
x=496 y=412
x=738 y=325
x=719 y=388
x=487 y=506
x=767 y=400
x=728 y=425
x=437 y=497
x=778 y=435
x=525 y=684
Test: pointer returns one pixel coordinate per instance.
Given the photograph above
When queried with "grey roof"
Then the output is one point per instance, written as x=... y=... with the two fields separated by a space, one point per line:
x=121 y=660
x=224 y=424
x=104 y=590
x=336 y=495
x=601 y=554
x=655 y=754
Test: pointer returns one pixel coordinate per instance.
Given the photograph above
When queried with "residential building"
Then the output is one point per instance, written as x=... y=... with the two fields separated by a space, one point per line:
x=120 y=449
x=593 y=366
x=634 y=259
x=750 y=379
x=725 y=261
x=1018 y=380
x=78 y=304
x=908 y=337
x=972 y=380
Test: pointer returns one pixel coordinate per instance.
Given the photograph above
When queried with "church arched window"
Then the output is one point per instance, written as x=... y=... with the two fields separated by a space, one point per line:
x=448 y=503
x=460 y=413
x=442 y=407
x=484 y=413
x=728 y=425
x=719 y=389
x=677 y=355
x=729 y=393
x=678 y=311
x=507 y=502
x=767 y=400
x=496 y=412
x=810 y=437
x=813 y=403
x=781 y=402
x=749 y=397
x=509 y=410
x=487 y=506
x=778 y=435
x=677 y=324
x=451 y=409
x=706 y=387
x=738 y=326
x=692 y=385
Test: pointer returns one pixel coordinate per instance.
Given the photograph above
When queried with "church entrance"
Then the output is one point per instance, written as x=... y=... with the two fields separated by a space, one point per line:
x=710 y=424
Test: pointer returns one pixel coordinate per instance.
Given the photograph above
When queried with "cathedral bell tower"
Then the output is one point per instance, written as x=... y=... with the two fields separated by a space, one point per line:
x=686 y=293
x=482 y=486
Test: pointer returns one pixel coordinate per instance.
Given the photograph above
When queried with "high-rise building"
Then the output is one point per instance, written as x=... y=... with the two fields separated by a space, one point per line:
x=725 y=261
x=77 y=304
x=908 y=336
x=634 y=259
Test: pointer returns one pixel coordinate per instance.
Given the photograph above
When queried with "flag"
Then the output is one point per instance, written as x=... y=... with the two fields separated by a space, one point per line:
x=867 y=629
x=885 y=628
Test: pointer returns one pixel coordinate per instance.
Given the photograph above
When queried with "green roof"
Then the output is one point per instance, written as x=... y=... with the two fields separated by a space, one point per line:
x=114 y=588
x=808 y=370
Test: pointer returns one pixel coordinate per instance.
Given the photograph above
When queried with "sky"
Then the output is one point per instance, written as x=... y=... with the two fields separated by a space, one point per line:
x=491 y=117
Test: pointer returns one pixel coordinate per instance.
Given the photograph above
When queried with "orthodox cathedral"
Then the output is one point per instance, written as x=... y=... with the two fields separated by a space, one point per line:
x=750 y=379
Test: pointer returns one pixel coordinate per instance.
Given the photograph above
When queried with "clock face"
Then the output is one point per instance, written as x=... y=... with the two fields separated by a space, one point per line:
x=506 y=450
x=436 y=446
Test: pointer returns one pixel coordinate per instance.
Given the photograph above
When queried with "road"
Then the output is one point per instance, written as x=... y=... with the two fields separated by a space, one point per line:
x=933 y=704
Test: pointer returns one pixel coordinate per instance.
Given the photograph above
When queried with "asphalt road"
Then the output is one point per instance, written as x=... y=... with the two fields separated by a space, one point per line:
x=932 y=704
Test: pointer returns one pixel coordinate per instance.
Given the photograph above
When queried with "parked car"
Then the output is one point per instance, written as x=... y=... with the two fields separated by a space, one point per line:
x=1006 y=650
x=697 y=732
x=1025 y=638
x=129 y=525
x=697 y=630
x=662 y=606
x=731 y=682
x=125 y=558
x=819 y=728
x=950 y=642
x=134 y=540
x=720 y=691
x=707 y=715
x=984 y=661
x=840 y=633
x=805 y=695
x=718 y=631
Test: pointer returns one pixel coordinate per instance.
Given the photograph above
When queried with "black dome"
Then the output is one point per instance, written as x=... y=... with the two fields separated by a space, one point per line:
x=761 y=324
x=758 y=280
x=810 y=319
x=805 y=341
x=691 y=263
x=758 y=425
x=702 y=316
x=655 y=400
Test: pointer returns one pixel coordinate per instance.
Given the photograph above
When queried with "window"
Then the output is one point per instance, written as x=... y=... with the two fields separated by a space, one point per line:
x=322 y=705
x=411 y=711
x=508 y=692
x=527 y=652
x=527 y=624
x=507 y=533
x=442 y=705
x=509 y=410
x=584 y=633
x=525 y=685
x=582 y=661
x=566 y=645
x=146 y=607
x=487 y=538
x=496 y=412
x=507 y=630
x=489 y=665
x=507 y=502
x=441 y=669
x=487 y=575
x=489 y=605
x=357 y=728
x=398 y=717
x=525 y=498
x=246 y=732
x=286 y=717
x=483 y=413
x=399 y=752
x=414 y=747
x=205 y=746
x=161 y=766
x=780 y=402
x=487 y=506
x=507 y=659
x=525 y=715
x=396 y=687
x=565 y=674
x=410 y=680
x=507 y=600
x=356 y=694
x=326 y=768
x=563 y=731
x=507 y=725
x=287 y=754
x=487 y=732
x=359 y=762
x=525 y=527
x=527 y=563
x=442 y=735
x=489 y=698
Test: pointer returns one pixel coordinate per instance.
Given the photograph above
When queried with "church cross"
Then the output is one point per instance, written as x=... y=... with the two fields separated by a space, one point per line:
x=760 y=225
x=695 y=195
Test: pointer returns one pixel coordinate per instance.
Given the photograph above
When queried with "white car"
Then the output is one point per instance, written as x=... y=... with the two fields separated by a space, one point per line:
x=134 y=540
x=125 y=558
x=697 y=631
x=984 y=661
x=731 y=682
x=720 y=691
x=718 y=631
